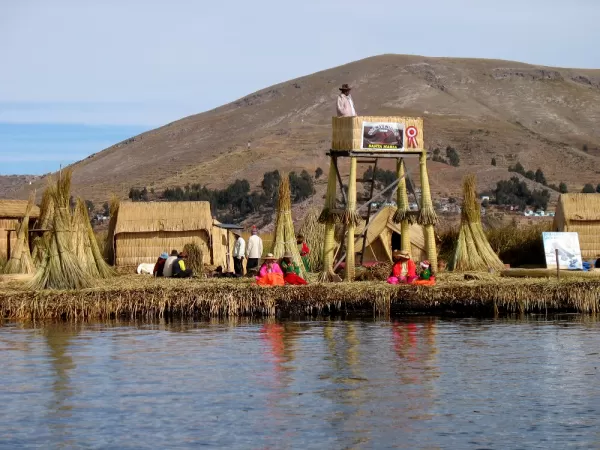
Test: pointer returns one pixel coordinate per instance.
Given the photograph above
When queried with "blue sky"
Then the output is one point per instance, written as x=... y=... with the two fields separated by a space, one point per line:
x=77 y=76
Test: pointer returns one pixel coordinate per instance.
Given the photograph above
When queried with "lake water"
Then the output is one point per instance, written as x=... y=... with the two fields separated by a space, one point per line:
x=412 y=383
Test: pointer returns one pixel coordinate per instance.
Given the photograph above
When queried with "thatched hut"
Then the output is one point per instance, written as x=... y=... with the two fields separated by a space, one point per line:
x=580 y=213
x=383 y=236
x=11 y=215
x=144 y=230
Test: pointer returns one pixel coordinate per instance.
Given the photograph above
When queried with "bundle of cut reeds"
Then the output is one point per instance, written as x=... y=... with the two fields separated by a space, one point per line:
x=194 y=258
x=284 y=238
x=43 y=223
x=59 y=267
x=85 y=245
x=473 y=251
x=427 y=215
x=20 y=258
x=314 y=235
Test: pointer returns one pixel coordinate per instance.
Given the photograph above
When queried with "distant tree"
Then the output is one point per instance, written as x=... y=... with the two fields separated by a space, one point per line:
x=517 y=168
x=493 y=161
x=436 y=152
x=270 y=184
x=515 y=192
x=588 y=189
x=144 y=195
x=598 y=188
x=90 y=206
x=562 y=188
x=452 y=156
x=105 y=209
x=485 y=203
x=301 y=186
x=540 y=177
x=530 y=174
x=152 y=191
x=452 y=200
x=585 y=148
x=318 y=173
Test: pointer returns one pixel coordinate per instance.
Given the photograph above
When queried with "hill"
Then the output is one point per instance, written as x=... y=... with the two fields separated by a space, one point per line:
x=539 y=116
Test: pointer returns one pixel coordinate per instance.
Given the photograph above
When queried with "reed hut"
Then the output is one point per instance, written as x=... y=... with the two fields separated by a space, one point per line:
x=11 y=216
x=384 y=236
x=145 y=230
x=580 y=213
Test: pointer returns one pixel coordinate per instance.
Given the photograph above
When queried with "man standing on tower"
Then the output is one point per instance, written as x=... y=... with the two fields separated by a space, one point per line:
x=345 y=104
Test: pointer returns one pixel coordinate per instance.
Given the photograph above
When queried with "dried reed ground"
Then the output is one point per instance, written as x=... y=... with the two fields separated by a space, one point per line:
x=134 y=296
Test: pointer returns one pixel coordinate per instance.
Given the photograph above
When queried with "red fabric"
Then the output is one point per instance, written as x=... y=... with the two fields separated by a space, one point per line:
x=410 y=267
x=271 y=279
x=305 y=251
x=430 y=282
x=292 y=278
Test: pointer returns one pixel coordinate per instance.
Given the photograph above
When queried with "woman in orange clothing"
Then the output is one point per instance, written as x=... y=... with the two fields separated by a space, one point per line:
x=404 y=270
x=270 y=273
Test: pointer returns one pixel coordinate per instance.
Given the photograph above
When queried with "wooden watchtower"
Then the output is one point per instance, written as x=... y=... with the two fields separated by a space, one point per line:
x=366 y=140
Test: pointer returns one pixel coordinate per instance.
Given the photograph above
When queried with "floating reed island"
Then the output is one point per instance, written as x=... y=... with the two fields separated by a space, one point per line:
x=137 y=297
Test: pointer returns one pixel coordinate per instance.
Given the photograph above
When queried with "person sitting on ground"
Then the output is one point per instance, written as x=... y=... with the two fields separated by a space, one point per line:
x=304 y=251
x=168 y=269
x=404 y=270
x=270 y=273
x=159 y=267
x=597 y=264
x=179 y=270
x=291 y=270
x=425 y=271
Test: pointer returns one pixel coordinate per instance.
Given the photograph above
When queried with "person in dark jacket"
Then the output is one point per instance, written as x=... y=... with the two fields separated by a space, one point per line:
x=179 y=269
x=160 y=265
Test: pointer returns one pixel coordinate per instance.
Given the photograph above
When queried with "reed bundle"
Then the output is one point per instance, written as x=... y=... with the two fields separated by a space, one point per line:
x=427 y=215
x=351 y=218
x=473 y=251
x=59 y=268
x=402 y=215
x=44 y=223
x=20 y=261
x=109 y=244
x=284 y=238
x=97 y=266
x=329 y=219
x=194 y=258
x=314 y=235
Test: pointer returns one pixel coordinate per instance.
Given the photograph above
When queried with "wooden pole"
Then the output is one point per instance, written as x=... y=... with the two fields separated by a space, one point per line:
x=351 y=207
x=557 y=264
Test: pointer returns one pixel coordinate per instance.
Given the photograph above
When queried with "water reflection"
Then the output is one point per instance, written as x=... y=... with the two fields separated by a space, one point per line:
x=409 y=383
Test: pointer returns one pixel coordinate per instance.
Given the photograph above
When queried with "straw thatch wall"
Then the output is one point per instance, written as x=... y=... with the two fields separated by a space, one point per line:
x=347 y=131
x=580 y=213
x=144 y=230
x=379 y=237
x=11 y=214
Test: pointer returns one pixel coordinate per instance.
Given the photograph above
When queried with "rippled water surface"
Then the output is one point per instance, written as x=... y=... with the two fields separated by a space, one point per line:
x=422 y=383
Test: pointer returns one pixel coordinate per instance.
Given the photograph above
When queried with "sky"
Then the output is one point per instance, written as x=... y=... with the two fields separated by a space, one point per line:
x=77 y=76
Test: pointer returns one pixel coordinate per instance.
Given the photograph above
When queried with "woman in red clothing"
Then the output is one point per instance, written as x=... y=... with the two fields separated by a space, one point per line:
x=291 y=270
x=404 y=270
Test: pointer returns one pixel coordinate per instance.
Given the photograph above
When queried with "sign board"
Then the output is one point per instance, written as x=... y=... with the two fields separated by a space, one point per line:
x=382 y=136
x=569 y=253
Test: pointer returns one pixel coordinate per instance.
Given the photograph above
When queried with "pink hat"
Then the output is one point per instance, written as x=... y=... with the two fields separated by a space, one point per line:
x=425 y=264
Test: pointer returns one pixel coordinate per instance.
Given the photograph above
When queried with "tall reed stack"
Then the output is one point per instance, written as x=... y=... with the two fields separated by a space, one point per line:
x=20 y=261
x=473 y=251
x=314 y=235
x=284 y=238
x=44 y=223
x=402 y=214
x=59 y=266
x=427 y=215
x=86 y=245
x=351 y=219
x=329 y=218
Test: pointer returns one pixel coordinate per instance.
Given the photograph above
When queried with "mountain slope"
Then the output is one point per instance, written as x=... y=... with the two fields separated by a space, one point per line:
x=512 y=111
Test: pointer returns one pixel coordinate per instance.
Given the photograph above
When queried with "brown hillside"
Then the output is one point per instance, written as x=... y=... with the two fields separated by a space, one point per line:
x=539 y=116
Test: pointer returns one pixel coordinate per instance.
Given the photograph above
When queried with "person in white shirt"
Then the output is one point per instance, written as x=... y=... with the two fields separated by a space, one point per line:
x=168 y=270
x=239 y=253
x=345 y=104
x=254 y=250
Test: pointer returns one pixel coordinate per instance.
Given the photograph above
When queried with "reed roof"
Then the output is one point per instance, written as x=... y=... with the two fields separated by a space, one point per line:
x=579 y=207
x=143 y=217
x=16 y=209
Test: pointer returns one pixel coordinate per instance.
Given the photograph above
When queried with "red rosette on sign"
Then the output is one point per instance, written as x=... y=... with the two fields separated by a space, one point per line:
x=411 y=137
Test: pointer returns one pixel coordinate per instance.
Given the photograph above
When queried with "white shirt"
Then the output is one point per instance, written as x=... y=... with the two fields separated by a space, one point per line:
x=255 y=247
x=351 y=104
x=239 y=251
x=168 y=270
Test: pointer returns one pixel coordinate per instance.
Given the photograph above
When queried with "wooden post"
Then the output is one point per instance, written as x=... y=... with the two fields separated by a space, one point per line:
x=351 y=218
x=557 y=265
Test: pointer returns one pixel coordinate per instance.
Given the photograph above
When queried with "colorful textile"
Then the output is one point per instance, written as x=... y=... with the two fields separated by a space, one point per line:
x=294 y=279
x=271 y=279
x=265 y=269
x=401 y=280
x=405 y=269
x=290 y=268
